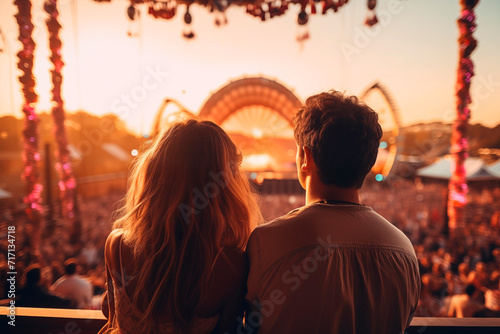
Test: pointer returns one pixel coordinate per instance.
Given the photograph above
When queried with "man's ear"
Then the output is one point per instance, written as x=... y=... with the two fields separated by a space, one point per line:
x=308 y=161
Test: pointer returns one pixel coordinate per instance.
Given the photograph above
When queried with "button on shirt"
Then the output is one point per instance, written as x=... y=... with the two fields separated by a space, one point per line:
x=331 y=269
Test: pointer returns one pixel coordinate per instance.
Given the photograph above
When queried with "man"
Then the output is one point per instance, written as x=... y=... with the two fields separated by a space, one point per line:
x=465 y=305
x=74 y=287
x=334 y=265
x=33 y=293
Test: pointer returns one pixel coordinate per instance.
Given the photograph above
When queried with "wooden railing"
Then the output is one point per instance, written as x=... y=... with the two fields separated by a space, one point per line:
x=62 y=321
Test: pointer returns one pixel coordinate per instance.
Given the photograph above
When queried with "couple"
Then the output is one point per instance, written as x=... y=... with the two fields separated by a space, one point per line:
x=186 y=255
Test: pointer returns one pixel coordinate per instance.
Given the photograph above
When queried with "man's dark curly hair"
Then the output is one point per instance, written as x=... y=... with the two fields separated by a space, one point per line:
x=343 y=135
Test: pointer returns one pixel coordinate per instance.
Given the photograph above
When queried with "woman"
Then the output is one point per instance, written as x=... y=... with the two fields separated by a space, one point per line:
x=175 y=262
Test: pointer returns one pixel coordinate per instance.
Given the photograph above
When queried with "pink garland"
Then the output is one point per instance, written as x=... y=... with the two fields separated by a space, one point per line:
x=67 y=182
x=31 y=157
x=459 y=145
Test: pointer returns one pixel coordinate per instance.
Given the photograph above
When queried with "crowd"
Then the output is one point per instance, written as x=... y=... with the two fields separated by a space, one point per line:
x=460 y=276
x=43 y=268
x=457 y=275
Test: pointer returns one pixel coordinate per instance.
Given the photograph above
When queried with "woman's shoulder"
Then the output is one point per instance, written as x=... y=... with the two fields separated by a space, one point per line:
x=115 y=250
x=115 y=234
x=113 y=240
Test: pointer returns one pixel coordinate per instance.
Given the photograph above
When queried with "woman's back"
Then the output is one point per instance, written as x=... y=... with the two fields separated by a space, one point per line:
x=176 y=261
x=224 y=299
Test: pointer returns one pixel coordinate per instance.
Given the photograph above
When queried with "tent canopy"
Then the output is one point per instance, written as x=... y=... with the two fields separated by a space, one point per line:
x=494 y=169
x=475 y=168
x=4 y=194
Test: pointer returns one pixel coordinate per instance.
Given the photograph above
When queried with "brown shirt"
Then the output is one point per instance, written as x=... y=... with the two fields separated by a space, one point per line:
x=331 y=269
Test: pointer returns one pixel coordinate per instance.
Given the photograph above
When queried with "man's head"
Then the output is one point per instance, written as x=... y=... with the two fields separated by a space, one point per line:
x=463 y=269
x=70 y=266
x=470 y=289
x=480 y=267
x=33 y=275
x=342 y=135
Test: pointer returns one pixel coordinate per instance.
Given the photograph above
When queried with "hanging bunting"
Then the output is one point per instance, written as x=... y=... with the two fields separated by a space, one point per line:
x=131 y=12
x=188 y=30
x=218 y=7
x=31 y=156
x=372 y=18
x=67 y=182
x=459 y=145
x=265 y=9
x=302 y=19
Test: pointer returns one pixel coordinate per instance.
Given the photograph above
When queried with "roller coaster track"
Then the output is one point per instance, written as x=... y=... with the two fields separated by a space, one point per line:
x=388 y=98
x=161 y=110
x=393 y=149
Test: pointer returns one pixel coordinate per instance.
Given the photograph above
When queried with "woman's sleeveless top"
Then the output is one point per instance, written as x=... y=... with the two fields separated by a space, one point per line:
x=127 y=316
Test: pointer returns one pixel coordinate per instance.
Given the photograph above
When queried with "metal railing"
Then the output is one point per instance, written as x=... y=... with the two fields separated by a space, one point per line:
x=58 y=321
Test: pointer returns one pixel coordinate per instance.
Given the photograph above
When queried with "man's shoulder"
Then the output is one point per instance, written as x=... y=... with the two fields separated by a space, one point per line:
x=459 y=299
x=265 y=229
x=301 y=219
x=72 y=281
x=59 y=283
x=345 y=225
x=281 y=222
x=83 y=280
x=277 y=225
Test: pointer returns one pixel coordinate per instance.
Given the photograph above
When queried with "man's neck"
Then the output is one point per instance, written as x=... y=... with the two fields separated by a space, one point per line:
x=317 y=192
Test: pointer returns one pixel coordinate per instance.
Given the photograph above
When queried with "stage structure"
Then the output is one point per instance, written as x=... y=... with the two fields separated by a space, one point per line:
x=258 y=112
x=241 y=93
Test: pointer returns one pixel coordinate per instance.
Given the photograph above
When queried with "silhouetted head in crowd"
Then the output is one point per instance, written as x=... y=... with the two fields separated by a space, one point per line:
x=437 y=269
x=70 y=267
x=463 y=269
x=470 y=289
x=480 y=267
x=33 y=275
x=341 y=134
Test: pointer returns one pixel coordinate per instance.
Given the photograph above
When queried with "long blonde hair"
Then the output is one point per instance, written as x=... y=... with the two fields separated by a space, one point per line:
x=186 y=200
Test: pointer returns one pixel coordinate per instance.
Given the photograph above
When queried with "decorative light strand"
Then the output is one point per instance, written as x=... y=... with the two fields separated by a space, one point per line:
x=31 y=156
x=459 y=145
x=264 y=10
x=67 y=182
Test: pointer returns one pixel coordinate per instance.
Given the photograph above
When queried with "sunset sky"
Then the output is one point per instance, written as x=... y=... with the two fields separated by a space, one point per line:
x=413 y=52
